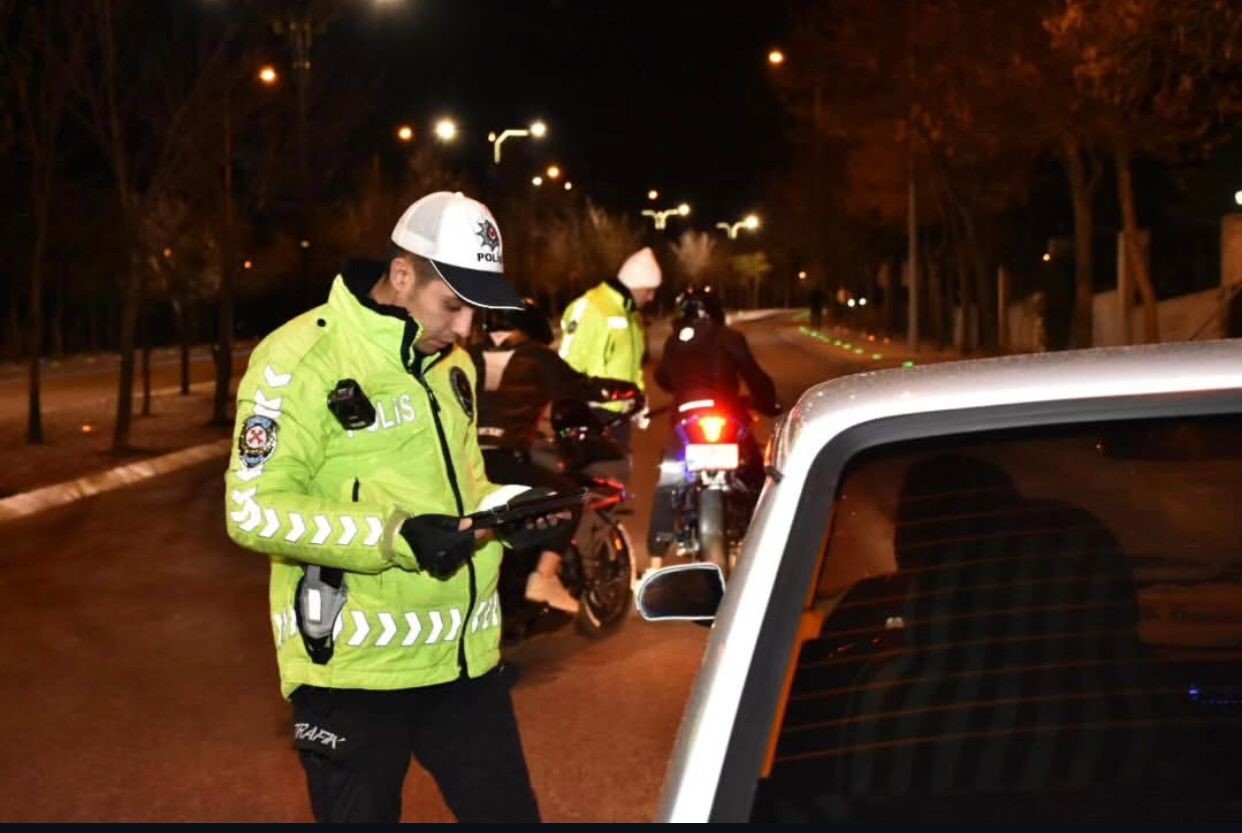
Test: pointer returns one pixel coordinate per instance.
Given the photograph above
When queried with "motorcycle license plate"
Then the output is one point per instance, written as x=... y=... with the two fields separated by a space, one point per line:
x=702 y=456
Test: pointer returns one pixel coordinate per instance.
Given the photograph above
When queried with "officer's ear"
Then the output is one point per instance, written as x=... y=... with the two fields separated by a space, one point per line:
x=401 y=273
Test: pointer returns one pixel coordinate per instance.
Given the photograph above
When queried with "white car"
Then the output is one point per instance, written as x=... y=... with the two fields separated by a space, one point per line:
x=995 y=590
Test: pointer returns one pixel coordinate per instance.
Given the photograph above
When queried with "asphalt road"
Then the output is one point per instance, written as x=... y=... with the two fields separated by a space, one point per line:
x=139 y=682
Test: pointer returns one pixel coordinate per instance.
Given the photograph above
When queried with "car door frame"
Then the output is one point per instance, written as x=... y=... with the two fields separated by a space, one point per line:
x=731 y=794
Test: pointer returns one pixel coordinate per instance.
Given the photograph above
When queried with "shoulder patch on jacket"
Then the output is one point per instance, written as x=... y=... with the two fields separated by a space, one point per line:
x=463 y=389
x=256 y=442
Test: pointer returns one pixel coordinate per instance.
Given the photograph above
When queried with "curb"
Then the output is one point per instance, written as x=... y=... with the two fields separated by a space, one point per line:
x=58 y=494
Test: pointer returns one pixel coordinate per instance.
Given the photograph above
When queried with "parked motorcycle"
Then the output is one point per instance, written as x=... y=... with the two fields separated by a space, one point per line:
x=721 y=475
x=598 y=569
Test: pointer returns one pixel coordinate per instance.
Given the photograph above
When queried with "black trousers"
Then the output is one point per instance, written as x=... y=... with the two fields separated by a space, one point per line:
x=355 y=746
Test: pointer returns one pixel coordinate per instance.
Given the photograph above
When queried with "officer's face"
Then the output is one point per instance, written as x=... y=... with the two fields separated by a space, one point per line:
x=642 y=297
x=443 y=316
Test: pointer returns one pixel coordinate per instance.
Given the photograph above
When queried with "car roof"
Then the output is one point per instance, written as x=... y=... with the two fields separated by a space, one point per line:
x=841 y=403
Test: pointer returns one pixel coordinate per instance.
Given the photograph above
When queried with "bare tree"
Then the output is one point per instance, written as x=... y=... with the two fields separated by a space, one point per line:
x=37 y=59
x=1161 y=76
x=141 y=95
x=751 y=269
x=697 y=255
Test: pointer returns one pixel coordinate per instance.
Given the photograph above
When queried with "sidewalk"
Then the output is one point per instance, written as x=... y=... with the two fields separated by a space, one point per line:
x=76 y=452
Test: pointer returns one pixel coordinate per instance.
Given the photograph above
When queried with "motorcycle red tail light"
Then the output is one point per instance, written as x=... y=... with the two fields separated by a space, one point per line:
x=712 y=429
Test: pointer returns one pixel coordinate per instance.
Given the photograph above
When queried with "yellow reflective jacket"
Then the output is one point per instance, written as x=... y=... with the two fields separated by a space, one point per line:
x=602 y=335
x=304 y=490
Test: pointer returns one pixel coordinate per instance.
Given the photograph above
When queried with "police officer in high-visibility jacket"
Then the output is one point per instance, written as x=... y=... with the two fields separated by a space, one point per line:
x=602 y=330
x=356 y=462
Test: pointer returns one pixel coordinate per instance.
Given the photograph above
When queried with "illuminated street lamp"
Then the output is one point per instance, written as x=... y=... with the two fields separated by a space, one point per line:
x=776 y=57
x=268 y=75
x=750 y=222
x=1237 y=197
x=554 y=172
x=660 y=218
x=537 y=130
x=653 y=194
x=802 y=275
x=446 y=130
x=569 y=186
x=536 y=181
x=405 y=133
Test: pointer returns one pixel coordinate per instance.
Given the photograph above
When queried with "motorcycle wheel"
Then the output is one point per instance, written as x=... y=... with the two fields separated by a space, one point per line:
x=609 y=570
x=713 y=546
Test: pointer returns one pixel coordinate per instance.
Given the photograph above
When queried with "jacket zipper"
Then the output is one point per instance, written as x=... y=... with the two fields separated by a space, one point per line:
x=461 y=510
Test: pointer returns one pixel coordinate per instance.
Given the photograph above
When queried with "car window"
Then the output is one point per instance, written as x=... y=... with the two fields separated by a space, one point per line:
x=1025 y=625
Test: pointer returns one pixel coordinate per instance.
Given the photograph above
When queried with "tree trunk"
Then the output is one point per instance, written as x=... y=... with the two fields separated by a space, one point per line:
x=1082 y=191
x=936 y=300
x=130 y=292
x=183 y=332
x=58 y=313
x=13 y=338
x=967 y=299
x=146 y=361
x=34 y=413
x=884 y=279
x=224 y=305
x=1134 y=255
x=985 y=300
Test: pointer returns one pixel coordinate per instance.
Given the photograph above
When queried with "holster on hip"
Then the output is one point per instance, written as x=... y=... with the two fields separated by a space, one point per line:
x=321 y=596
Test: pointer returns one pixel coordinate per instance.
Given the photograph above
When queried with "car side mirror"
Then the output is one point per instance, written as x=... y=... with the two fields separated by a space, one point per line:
x=686 y=592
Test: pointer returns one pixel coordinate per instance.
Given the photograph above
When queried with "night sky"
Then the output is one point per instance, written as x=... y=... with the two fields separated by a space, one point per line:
x=636 y=94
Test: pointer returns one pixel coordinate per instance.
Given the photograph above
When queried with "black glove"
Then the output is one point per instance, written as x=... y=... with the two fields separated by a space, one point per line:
x=534 y=530
x=439 y=546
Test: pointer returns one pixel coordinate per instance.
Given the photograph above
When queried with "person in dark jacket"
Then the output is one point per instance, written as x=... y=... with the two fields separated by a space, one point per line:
x=705 y=359
x=520 y=376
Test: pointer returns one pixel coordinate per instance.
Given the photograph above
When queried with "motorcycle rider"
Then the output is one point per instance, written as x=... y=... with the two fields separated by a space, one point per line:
x=521 y=377
x=705 y=359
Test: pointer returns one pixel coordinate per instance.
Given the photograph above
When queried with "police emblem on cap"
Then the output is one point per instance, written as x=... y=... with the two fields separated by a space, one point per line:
x=488 y=236
x=465 y=393
x=257 y=440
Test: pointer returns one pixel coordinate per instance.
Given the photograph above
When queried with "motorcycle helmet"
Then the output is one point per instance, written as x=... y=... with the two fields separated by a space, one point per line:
x=698 y=303
x=530 y=319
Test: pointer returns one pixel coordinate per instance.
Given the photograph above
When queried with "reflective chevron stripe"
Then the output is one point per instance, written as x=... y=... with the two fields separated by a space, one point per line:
x=435 y=627
x=250 y=516
x=285 y=625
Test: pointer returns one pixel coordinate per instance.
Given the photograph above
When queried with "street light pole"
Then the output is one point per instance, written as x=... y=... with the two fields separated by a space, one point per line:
x=750 y=222
x=538 y=130
x=660 y=218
